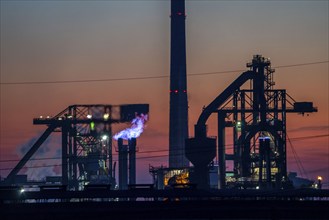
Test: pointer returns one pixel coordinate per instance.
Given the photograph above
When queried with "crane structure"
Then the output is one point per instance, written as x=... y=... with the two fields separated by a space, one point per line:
x=86 y=142
x=257 y=116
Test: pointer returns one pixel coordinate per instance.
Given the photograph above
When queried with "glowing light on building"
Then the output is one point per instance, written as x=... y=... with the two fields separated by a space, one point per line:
x=105 y=137
x=106 y=116
x=92 y=126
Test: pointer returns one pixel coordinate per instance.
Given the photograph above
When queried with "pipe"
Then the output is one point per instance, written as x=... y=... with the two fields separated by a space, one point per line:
x=123 y=165
x=200 y=128
x=132 y=160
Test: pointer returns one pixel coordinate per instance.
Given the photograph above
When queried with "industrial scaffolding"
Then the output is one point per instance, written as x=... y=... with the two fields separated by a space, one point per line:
x=257 y=116
x=86 y=132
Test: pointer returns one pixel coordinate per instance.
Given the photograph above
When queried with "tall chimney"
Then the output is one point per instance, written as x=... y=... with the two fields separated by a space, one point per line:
x=178 y=130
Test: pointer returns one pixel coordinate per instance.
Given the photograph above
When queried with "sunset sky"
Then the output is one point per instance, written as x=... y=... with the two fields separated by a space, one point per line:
x=56 y=41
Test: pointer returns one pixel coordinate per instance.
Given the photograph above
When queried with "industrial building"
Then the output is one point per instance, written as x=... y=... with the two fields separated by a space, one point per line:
x=250 y=106
x=86 y=133
x=256 y=112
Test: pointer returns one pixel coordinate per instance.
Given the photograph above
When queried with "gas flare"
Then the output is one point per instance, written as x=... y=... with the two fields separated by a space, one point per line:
x=136 y=129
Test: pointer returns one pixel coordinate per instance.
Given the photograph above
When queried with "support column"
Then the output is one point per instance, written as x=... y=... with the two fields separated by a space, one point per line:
x=221 y=150
x=65 y=134
x=283 y=153
x=260 y=166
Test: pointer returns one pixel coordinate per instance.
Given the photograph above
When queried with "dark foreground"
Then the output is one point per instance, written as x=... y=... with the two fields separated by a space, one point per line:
x=208 y=209
x=180 y=203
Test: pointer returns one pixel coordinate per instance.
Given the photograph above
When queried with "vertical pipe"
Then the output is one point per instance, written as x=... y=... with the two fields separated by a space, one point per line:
x=123 y=165
x=255 y=101
x=268 y=163
x=261 y=93
x=244 y=145
x=160 y=178
x=246 y=159
x=132 y=160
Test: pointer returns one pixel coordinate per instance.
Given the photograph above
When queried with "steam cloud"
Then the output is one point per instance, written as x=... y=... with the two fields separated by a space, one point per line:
x=39 y=169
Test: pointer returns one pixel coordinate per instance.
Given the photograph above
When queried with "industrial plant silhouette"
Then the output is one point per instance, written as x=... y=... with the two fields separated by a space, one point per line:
x=256 y=185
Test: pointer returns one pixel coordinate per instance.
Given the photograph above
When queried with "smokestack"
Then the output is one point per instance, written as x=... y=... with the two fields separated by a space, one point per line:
x=123 y=165
x=132 y=160
x=178 y=130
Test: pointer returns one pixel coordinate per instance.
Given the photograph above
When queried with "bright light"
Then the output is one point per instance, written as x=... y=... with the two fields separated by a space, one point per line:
x=238 y=125
x=22 y=190
x=89 y=116
x=320 y=178
x=106 y=116
x=92 y=126
x=105 y=137
x=257 y=187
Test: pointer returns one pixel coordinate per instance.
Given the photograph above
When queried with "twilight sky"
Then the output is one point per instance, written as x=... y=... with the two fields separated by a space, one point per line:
x=44 y=41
